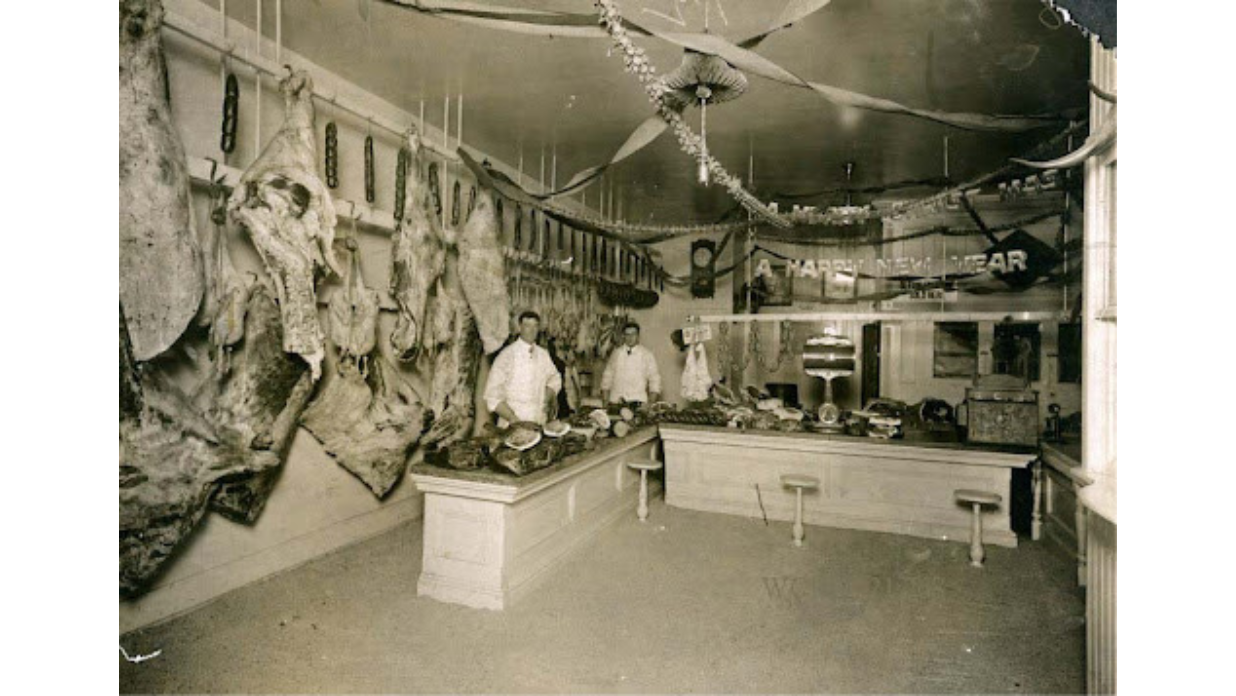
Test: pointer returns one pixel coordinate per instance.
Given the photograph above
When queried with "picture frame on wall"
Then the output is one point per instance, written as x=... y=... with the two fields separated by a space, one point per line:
x=840 y=286
x=776 y=290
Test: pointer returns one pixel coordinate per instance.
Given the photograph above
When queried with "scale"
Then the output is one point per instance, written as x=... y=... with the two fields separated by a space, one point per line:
x=829 y=356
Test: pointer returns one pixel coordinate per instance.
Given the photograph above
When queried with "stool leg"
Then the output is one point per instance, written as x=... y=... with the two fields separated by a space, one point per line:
x=976 y=538
x=643 y=495
x=798 y=518
x=1036 y=523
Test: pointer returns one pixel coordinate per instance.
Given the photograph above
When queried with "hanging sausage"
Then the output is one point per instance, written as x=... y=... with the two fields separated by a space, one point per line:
x=519 y=226
x=472 y=205
x=455 y=205
x=401 y=178
x=545 y=240
x=231 y=112
x=533 y=230
x=435 y=189
x=332 y=155
x=501 y=220
x=370 y=189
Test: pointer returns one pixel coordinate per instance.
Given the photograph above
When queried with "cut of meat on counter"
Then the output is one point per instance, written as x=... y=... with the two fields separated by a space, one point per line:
x=367 y=419
x=417 y=255
x=161 y=282
x=289 y=215
x=482 y=269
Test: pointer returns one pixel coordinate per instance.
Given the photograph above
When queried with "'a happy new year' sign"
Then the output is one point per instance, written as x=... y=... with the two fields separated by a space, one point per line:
x=1011 y=261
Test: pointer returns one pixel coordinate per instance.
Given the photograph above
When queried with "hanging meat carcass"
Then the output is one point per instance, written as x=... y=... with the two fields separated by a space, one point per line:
x=417 y=255
x=482 y=269
x=262 y=398
x=290 y=217
x=161 y=282
x=368 y=419
x=172 y=459
x=456 y=362
x=353 y=313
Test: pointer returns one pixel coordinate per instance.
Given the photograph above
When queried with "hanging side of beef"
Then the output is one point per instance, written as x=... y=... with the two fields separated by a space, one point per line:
x=289 y=215
x=456 y=362
x=161 y=281
x=482 y=269
x=368 y=419
x=261 y=398
x=171 y=458
x=417 y=255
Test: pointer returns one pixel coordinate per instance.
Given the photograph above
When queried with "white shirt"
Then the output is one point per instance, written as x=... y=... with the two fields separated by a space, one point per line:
x=631 y=374
x=519 y=376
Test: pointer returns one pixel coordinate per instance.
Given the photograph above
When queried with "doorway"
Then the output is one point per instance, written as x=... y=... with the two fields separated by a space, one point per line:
x=871 y=363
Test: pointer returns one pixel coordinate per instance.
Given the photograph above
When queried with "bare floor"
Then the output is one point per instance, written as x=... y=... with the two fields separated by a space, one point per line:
x=686 y=602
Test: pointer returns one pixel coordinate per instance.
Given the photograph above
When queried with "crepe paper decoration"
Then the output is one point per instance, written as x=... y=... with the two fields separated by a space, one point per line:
x=739 y=55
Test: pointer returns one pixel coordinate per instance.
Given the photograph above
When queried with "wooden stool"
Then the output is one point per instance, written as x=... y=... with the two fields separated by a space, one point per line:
x=976 y=500
x=799 y=482
x=644 y=466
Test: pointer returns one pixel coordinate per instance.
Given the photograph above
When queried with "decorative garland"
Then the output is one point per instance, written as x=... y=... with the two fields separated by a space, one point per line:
x=637 y=62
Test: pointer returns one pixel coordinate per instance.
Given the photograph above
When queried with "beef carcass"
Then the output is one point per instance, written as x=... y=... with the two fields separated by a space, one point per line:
x=417 y=255
x=161 y=281
x=261 y=398
x=367 y=419
x=456 y=362
x=290 y=217
x=482 y=269
x=171 y=461
x=353 y=313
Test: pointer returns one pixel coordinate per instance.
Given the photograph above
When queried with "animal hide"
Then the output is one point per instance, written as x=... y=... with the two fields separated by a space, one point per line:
x=290 y=217
x=455 y=363
x=161 y=282
x=483 y=272
x=367 y=419
x=417 y=256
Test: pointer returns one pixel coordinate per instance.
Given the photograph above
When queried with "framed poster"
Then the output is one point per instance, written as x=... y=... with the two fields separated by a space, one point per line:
x=776 y=290
x=840 y=285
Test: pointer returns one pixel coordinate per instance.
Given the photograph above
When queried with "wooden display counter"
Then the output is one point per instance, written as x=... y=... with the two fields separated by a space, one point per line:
x=898 y=486
x=491 y=537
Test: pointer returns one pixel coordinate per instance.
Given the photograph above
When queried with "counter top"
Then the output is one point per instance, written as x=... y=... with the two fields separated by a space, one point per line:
x=939 y=441
x=1066 y=458
x=496 y=485
x=1100 y=496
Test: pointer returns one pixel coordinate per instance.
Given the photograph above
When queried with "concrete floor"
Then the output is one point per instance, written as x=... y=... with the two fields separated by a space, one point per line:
x=687 y=602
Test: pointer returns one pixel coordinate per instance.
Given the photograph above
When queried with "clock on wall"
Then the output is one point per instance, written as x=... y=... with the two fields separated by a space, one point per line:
x=703 y=268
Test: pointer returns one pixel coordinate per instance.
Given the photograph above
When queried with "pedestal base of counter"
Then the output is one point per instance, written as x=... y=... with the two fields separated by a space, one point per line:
x=491 y=538
x=865 y=484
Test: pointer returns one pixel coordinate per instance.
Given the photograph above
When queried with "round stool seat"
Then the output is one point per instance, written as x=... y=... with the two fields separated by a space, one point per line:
x=966 y=495
x=644 y=465
x=800 y=481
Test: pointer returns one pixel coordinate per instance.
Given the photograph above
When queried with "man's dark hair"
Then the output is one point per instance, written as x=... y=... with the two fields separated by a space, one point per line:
x=631 y=325
x=529 y=314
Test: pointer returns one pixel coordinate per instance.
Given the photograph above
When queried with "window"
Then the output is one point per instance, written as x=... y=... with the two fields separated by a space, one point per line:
x=956 y=349
x=1069 y=354
x=1015 y=350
